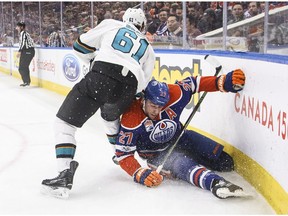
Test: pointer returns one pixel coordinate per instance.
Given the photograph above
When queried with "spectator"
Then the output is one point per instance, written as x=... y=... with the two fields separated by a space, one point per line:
x=192 y=30
x=155 y=10
x=219 y=18
x=179 y=13
x=173 y=8
x=254 y=32
x=253 y=10
x=278 y=34
x=163 y=16
x=152 y=24
x=121 y=13
x=173 y=27
x=194 y=10
x=207 y=22
x=8 y=40
x=255 y=37
x=238 y=13
x=108 y=15
x=56 y=38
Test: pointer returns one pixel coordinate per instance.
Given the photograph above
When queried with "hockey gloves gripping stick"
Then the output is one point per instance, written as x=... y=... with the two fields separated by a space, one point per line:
x=213 y=62
x=147 y=177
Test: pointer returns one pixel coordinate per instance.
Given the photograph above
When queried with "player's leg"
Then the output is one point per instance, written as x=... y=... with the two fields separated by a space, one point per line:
x=110 y=113
x=185 y=168
x=205 y=151
x=121 y=97
x=83 y=101
x=77 y=108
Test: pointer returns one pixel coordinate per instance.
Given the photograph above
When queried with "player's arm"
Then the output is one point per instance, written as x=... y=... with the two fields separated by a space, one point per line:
x=125 y=149
x=88 y=43
x=233 y=81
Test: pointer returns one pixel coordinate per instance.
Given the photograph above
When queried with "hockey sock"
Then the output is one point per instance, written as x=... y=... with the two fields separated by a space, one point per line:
x=111 y=127
x=64 y=154
x=63 y=164
x=188 y=170
x=201 y=177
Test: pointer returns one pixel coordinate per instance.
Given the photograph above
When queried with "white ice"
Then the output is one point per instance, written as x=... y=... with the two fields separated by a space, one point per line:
x=100 y=187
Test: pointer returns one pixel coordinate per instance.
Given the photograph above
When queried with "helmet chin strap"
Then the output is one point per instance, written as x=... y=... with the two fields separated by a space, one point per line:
x=143 y=106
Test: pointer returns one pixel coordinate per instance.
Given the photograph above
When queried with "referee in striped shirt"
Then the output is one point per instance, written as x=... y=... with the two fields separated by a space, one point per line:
x=26 y=52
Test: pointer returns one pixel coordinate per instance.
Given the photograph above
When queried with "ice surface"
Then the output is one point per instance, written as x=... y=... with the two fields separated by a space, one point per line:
x=100 y=187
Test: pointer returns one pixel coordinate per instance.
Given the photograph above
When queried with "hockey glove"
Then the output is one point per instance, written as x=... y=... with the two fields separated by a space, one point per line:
x=234 y=81
x=148 y=177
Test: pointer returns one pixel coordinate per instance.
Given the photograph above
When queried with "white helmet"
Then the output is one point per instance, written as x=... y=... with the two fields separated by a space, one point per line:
x=135 y=16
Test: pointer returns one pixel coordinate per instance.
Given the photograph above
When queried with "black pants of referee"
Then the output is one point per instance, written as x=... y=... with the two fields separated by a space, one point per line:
x=103 y=87
x=26 y=57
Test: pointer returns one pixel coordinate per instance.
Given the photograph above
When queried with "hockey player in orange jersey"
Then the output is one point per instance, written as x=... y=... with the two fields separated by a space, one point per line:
x=152 y=124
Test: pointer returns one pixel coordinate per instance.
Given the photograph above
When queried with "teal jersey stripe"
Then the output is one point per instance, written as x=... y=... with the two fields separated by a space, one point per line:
x=81 y=49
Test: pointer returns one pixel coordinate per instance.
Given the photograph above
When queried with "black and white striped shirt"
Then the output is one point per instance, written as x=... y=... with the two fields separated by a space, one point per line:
x=25 y=41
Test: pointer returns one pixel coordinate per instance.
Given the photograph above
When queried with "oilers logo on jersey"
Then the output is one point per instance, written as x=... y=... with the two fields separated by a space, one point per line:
x=163 y=131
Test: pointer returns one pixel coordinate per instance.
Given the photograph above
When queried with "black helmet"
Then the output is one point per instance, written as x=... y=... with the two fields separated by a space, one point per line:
x=21 y=24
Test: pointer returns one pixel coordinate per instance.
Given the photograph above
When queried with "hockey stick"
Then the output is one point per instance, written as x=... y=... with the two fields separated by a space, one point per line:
x=213 y=62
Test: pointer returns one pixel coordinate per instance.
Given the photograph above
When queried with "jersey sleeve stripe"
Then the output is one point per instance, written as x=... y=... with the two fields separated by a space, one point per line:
x=83 y=48
x=197 y=84
x=125 y=148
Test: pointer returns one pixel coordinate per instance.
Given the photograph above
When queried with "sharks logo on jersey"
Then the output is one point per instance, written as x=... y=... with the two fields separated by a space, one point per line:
x=163 y=131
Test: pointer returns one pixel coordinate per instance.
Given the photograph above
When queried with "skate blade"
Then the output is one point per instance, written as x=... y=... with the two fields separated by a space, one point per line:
x=61 y=193
x=225 y=193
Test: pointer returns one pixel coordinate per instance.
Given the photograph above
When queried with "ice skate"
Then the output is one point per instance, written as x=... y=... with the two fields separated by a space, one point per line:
x=24 y=84
x=61 y=185
x=223 y=189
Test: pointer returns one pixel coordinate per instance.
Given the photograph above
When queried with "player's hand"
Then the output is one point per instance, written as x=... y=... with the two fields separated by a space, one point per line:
x=148 y=177
x=234 y=81
x=18 y=54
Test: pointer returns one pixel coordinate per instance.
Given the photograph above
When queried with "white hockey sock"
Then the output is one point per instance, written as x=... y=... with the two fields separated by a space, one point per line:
x=63 y=163
x=111 y=127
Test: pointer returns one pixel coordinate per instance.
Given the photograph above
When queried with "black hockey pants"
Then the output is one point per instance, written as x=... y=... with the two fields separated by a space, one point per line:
x=25 y=60
x=104 y=87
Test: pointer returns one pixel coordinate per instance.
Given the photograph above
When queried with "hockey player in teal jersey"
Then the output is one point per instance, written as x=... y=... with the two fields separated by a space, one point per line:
x=122 y=67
